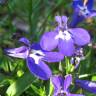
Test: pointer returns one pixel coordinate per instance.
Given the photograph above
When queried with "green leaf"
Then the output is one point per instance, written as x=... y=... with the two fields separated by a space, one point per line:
x=35 y=89
x=93 y=78
x=51 y=89
x=20 y=85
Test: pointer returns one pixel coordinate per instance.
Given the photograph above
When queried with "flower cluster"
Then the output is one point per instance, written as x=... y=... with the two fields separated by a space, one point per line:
x=63 y=41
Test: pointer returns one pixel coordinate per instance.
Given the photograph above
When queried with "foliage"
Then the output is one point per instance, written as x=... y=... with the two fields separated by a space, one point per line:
x=31 y=18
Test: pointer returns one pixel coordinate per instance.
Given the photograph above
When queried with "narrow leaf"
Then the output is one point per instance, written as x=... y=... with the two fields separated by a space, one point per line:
x=20 y=85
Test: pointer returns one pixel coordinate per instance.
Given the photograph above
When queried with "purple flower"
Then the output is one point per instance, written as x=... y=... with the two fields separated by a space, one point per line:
x=61 y=86
x=35 y=58
x=64 y=37
x=87 y=85
x=82 y=10
x=77 y=57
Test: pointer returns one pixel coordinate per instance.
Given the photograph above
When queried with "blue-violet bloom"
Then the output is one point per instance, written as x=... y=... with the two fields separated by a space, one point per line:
x=35 y=58
x=77 y=57
x=83 y=9
x=65 y=38
x=87 y=85
x=61 y=85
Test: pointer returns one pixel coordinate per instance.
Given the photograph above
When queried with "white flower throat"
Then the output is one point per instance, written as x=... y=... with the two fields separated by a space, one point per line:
x=36 y=57
x=64 y=35
x=84 y=10
x=61 y=92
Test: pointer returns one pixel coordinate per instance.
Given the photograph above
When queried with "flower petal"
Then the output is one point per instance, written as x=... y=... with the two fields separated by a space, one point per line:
x=87 y=85
x=48 y=41
x=41 y=70
x=64 y=19
x=58 y=19
x=53 y=56
x=90 y=4
x=57 y=82
x=66 y=47
x=21 y=52
x=76 y=3
x=92 y=14
x=76 y=19
x=75 y=94
x=80 y=36
x=36 y=46
x=67 y=81
x=25 y=41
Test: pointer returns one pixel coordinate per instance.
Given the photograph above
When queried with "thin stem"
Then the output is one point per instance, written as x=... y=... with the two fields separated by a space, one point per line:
x=86 y=75
x=30 y=16
x=60 y=66
x=67 y=65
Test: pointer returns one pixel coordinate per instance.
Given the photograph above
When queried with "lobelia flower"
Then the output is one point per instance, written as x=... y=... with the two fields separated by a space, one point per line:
x=77 y=57
x=82 y=10
x=35 y=58
x=87 y=85
x=63 y=37
x=61 y=85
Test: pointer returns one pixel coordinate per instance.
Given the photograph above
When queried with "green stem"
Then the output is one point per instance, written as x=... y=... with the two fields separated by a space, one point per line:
x=30 y=17
x=86 y=75
x=10 y=18
x=67 y=65
x=60 y=67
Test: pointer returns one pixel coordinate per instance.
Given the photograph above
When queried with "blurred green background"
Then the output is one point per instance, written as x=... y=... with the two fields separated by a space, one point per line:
x=31 y=18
